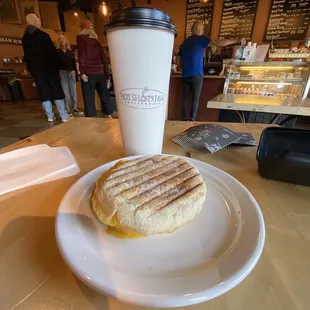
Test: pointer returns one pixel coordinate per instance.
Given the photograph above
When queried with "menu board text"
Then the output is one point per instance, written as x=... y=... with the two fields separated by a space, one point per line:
x=199 y=11
x=288 y=20
x=238 y=19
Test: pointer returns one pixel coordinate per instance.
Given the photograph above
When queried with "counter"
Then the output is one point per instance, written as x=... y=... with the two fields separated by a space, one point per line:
x=278 y=105
x=212 y=86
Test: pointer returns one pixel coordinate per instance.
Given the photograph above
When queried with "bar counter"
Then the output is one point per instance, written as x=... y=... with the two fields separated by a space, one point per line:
x=212 y=86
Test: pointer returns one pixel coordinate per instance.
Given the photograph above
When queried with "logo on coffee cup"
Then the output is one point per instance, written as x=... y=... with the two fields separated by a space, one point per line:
x=142 y=98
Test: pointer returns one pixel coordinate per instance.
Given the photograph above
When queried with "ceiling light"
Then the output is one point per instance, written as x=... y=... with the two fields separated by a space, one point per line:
x=103 y=9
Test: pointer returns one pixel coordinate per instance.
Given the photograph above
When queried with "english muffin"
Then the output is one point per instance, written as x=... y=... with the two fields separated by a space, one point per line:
x=150 y=195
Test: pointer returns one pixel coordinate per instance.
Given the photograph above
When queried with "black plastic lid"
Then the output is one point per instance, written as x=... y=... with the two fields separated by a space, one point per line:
x=143 y=17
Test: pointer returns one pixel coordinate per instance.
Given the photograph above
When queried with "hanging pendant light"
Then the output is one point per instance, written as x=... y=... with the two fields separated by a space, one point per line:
x=103 y=10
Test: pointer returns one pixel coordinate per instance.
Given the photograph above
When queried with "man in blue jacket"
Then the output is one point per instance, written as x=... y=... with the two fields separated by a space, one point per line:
x=192 y=54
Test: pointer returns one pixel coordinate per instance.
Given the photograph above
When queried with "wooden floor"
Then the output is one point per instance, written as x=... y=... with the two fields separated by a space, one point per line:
x=19 y=120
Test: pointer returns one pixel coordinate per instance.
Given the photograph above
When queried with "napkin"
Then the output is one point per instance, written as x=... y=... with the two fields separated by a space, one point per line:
x=34 y=165
x=207 y=138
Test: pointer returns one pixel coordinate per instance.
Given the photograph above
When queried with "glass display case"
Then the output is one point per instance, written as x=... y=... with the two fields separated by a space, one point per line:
x=283 y=79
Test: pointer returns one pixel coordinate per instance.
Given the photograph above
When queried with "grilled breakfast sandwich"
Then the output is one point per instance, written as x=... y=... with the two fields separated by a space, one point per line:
x=149 y=195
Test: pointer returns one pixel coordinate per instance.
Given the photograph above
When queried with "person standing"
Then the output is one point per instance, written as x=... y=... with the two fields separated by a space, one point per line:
x=94 y=71
x=67 y=73
x=43 y=64
x=192 y=54
x=214 y=61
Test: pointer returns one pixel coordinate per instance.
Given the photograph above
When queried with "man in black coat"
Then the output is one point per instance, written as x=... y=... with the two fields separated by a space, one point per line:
x=43 y=64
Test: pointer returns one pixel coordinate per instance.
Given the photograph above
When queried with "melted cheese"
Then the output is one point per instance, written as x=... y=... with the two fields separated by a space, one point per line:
x=112 y=223
x=121 y=234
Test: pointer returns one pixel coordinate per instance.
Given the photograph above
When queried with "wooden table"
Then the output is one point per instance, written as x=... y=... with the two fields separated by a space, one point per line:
x=34 y=276
x=252 y=103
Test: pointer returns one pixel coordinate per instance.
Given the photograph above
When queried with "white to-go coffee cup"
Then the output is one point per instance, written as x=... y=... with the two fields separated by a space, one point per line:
x=140 y=44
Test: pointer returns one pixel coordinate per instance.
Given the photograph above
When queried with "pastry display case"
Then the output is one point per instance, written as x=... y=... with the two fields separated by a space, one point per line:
x=283 y=79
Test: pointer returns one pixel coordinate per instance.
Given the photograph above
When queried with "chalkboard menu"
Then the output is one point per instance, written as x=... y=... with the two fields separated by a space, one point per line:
x=288 y=20
x=198 y=10
x=238 y=19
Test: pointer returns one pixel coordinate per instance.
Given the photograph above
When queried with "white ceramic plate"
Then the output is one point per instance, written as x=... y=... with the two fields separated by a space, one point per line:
x=198 y=262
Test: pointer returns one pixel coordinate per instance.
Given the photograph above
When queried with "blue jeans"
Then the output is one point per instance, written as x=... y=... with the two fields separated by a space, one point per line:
x=48 y=108
x=68 y=84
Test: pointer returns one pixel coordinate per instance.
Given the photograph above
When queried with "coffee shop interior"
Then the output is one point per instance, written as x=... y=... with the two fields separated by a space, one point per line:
x=262 y=78
x=135 y=196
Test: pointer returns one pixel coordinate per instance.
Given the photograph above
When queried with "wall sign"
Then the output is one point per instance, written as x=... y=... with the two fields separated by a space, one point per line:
x=10 y=40
x=288 y=20
x=9 y=12
x=238 y=19
x=199 y=11
x=28 y=6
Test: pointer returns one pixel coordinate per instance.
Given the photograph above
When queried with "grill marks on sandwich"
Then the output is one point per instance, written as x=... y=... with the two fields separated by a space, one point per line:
x=128 y=178
x=119 y=182
x=165 y=199
x=153 y=182
x=173 y=183
x=149 y=195
x=157 y=183
x=138 y=164
x=133 y=166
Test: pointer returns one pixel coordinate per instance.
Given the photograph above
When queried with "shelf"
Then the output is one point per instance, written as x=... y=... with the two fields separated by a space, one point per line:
x=290 y=106
x=289 y=56
x=269 y=81
x=14 y=64
x=269 y=64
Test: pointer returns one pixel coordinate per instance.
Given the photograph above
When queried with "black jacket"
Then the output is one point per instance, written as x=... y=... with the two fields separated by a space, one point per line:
x=68 y=60
x=43 y=63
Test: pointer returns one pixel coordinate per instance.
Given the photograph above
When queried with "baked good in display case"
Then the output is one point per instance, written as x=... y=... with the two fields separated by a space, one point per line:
x=269 y=79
